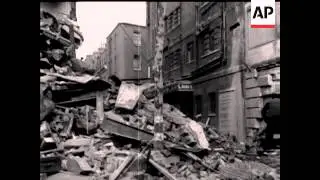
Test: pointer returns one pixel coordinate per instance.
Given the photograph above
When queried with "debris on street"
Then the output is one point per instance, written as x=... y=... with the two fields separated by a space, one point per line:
x=81 y=140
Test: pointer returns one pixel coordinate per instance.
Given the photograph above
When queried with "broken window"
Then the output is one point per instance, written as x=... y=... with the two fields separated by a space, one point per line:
x=173 y=19
x=190 y=52
x=136 y=62
x=137 y=38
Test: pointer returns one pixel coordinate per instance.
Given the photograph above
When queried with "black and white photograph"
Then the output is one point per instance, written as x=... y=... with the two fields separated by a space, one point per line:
x=160 y=90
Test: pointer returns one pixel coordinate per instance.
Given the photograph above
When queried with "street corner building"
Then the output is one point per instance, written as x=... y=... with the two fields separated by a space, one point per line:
x=216 y=67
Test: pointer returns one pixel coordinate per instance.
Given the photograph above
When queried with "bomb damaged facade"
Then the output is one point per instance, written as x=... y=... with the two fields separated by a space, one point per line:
x=100 y=117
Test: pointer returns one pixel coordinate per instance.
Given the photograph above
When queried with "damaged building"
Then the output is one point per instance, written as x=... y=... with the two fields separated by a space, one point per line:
x=127 y=53
x=179 y=51
x=215 y=61
x=92 y=127
x=98 y=61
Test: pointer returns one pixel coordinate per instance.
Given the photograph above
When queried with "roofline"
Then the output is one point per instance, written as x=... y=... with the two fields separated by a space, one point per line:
x=123 y=23
x=129 y=24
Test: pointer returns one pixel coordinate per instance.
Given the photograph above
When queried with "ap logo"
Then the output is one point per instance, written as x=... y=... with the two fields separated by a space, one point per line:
x=263 y=14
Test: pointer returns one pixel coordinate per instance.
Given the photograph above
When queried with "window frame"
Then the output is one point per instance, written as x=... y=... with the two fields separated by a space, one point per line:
x=173 y=20
x=137 y=38
x=205 y=43
x=139 y=63
x=190 y=49
x=213 y=46
x=176 y=56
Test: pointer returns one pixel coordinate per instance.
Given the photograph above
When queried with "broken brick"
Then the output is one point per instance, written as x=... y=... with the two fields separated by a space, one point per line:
x=78 y=165
x=181 y=169
x=70 y=143
x=67 y=176
x=166 y=152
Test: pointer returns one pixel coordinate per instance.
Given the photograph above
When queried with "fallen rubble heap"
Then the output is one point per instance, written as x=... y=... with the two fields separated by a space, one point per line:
x=79 y=140
x=97 y=154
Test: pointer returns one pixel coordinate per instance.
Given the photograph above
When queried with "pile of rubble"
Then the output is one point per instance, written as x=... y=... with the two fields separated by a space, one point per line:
x=192 y=151
x=94 y=129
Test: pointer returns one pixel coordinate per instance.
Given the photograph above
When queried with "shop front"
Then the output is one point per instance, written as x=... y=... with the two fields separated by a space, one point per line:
x=180 y=95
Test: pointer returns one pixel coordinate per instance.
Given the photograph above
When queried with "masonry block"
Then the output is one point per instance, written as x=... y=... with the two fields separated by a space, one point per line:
x=253 y=113
x=254 y=103
x=254 y=92
x=252 y=74
x=269 y=71
x=251 y=132
x=274 y=89
x=251 y=83
x=276 y=77
x=265 y=80
x=252 y=123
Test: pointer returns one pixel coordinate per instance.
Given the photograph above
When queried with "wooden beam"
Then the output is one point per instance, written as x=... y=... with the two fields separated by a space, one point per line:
x=118 y=171
x=162 y=170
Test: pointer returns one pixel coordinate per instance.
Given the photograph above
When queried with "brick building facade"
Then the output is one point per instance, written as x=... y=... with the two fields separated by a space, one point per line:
x=217 y=80
x=211 y=49
x=179 y=51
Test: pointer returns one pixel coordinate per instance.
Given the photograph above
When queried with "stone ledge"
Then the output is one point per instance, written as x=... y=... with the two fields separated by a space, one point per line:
x=253 y=113
x=254 y=103
x=253 y=93
x=252 y=123
x=264 y=81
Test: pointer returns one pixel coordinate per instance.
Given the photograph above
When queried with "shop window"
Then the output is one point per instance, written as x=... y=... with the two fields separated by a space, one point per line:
x=137 y=38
